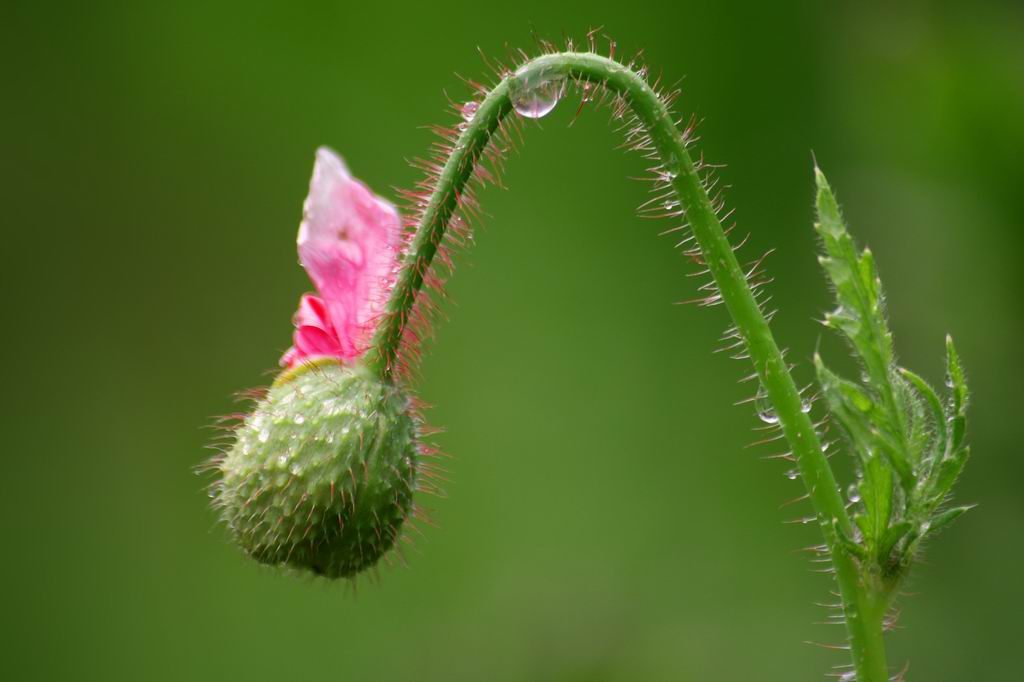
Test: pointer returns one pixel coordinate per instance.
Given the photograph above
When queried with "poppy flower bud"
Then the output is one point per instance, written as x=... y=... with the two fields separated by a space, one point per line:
x=322 y=472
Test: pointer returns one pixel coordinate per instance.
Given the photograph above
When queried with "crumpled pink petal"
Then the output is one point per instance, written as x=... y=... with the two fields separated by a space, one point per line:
x=349 y=242
x=314 y=334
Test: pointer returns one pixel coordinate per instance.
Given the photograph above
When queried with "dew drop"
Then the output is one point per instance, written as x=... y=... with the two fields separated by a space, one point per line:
x=792 y=474
x=853 y=492
x=534 y=95
x=671 y=205
x=765 y=412
x=469 y=110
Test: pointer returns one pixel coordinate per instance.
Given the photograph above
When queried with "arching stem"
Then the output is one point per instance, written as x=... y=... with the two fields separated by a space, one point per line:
x=861 y=604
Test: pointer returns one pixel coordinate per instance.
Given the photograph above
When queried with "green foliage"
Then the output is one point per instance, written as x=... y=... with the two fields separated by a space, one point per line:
x=907 y=442
x=908 y=445
x=907 y=457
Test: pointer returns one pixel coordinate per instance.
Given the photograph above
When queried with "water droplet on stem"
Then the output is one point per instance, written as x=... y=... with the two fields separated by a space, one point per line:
x=765 y=411
x=535 y=94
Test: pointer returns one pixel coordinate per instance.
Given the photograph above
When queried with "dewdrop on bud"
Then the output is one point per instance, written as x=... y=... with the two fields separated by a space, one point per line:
x=322 y=473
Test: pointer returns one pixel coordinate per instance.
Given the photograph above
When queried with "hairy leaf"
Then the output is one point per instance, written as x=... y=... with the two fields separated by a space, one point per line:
x=897 y=425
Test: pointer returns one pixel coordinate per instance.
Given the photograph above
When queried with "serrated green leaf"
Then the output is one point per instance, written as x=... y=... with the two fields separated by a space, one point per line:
x=856 y=284
x=848 y=544
x=830 y=222
x=957 y=428
x=948 y=472
x=959 y=396
x=946 y=518
x=843 y=323
x=896 y=456
x=876 y=494
x=899 y=428
x=866 y=424
x=864 y=524
x=840 y=397
x=919 y=430
x=838 y=271
x=955 y=376
x=856 y=398
x=892 y=536
x=868 y=276
x=933 y=402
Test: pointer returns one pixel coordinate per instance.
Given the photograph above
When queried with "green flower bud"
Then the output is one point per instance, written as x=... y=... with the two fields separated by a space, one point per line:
x=322 y=473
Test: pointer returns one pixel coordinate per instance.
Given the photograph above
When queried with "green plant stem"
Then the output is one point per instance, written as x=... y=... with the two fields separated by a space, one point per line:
x=861 y=607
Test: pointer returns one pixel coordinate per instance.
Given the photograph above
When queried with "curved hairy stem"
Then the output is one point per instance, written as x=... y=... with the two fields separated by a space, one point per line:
x=862 y=605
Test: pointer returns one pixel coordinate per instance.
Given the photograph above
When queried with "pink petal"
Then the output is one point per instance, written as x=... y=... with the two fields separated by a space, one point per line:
x=315 y=341
x=348 y=242
x=314 y=333
x=312 y=312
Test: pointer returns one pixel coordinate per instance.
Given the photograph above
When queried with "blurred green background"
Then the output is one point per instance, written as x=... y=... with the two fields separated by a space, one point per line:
x=605 y=522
